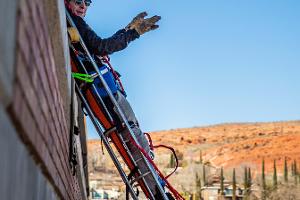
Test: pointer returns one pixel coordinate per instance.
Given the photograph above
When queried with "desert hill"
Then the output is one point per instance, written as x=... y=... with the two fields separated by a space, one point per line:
x=232 y=145
x=227 y=145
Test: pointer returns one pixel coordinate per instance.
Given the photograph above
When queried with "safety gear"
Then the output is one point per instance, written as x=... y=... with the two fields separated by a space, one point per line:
x=87 y=2
x=109 y=79
x=142 y=25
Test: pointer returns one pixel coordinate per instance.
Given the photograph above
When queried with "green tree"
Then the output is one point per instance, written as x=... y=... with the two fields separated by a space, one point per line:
x=201 y=159
x=292 y=169
x=233 y=185
x=222 y=182
x=204 y=175
x=295 y=172
x=245 y=181
x=263 y=177
x=172 y=161
x=285 y=170
x=198 y=187
x=249 y=179
x=274 y=175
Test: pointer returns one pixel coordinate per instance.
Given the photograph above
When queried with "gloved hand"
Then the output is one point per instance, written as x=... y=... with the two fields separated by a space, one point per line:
x=142 y=25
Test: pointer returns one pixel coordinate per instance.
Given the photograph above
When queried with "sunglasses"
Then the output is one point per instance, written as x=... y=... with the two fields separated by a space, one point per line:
x=87 y=2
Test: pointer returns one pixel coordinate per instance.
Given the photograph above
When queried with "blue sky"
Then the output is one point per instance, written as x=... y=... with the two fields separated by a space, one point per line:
x=209 y=62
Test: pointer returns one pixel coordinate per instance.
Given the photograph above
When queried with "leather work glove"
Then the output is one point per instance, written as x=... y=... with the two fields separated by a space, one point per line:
x=142 y=25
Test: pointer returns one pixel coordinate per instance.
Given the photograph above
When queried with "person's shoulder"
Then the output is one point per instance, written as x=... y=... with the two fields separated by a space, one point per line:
x=80 y=23
x=77 y=19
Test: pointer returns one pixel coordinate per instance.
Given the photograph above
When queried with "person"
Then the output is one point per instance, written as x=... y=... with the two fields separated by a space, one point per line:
x=119 y=41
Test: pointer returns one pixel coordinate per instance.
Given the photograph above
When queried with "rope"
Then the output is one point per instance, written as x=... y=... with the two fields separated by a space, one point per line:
x=168 y=185
x=163 y=146
x=150 y=141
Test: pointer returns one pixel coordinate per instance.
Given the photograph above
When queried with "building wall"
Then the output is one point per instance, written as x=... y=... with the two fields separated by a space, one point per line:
x=35 y=104
x=20 y=177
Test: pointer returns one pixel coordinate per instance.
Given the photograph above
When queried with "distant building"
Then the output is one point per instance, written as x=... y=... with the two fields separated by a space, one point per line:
x=104 y=194
x=229 y=192
x=97 y=192
x=212 y=192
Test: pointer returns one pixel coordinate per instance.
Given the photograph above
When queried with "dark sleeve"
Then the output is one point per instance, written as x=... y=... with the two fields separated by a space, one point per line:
x=99 y=46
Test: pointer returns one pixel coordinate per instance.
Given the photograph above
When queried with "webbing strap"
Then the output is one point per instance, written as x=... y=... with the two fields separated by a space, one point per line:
x=84 y=77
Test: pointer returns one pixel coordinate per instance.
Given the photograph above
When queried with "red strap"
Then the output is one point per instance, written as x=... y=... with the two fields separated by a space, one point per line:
x=168 y=185
x=164 y=146
x=150 y=141
x=174 y=153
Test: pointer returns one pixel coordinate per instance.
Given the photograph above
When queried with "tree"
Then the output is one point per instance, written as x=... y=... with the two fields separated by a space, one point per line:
x=274 y=175
x=204 y=176
x=201 y=160
x=263 y=177
x=245 y=181
x=233 y=185
x=285 y=170
x=295 y=173
x=222 y=182
x=249 y=178
x=172 y=161
x=198 y=187
x=263 y=174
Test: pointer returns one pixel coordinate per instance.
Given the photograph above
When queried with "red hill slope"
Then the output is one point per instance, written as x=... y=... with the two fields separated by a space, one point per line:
x=227 y=145
x=233 y=145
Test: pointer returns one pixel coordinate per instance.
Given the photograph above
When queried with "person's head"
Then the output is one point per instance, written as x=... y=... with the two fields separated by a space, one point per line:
x=78 y=7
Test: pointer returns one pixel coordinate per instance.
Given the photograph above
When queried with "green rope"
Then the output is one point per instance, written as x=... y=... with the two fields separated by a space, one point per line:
x=84 y=77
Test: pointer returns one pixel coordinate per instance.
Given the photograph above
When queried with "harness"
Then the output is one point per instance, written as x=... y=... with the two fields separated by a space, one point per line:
x=111 y=77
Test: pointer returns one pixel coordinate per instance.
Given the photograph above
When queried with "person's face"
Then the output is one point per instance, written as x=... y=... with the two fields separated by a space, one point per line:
x=78 y=8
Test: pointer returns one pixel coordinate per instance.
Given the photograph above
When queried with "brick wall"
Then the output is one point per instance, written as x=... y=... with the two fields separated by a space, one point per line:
x=37 y=104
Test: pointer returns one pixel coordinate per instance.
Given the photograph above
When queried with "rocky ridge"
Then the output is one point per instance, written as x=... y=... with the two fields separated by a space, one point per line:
x=227 y=145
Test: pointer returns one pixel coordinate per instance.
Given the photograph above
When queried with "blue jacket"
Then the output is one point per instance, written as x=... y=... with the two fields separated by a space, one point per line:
x=99 y=46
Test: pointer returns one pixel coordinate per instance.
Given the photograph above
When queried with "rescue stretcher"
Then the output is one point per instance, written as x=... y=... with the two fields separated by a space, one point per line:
x=106 y=126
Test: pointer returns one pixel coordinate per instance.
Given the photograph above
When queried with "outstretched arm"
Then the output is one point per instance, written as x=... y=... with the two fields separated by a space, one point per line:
x=99 y=46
